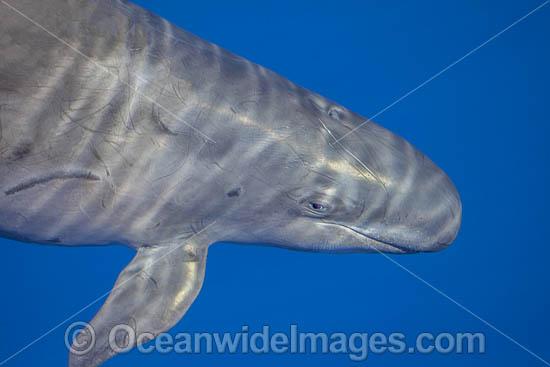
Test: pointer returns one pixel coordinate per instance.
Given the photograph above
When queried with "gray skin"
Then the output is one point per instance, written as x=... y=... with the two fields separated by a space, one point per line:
x=117 y=127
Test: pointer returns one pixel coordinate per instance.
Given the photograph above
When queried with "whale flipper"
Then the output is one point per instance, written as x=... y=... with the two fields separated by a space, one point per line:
x=150 y=295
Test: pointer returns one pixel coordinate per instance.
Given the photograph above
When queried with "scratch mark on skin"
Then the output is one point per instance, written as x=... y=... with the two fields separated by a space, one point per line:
x=98 y=157
x=220 y=167
x=163 y=128
x=83 y=211
x=1 y=133
x=77 y=121
x=329 y=178
x=177 y=92
x=304 y=163
x=21 y=151
x=146 y=276
x=113 y=145
x=371 y=172
x=132 y=98
x=62 y=176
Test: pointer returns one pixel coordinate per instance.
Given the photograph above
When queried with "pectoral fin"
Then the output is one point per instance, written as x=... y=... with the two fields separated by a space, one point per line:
x=151 y=295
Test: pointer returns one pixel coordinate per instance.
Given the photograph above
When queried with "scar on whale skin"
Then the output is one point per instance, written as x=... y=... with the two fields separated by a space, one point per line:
x=62 y=176
x=234 y=193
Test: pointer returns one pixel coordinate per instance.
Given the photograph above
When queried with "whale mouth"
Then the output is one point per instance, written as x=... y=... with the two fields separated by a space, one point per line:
x=395 y=247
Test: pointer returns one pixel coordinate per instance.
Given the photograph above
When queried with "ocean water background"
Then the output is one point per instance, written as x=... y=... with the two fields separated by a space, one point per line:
x=484 y=121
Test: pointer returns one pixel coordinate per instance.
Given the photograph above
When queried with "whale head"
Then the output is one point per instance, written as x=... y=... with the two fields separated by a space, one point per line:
x=335 y=182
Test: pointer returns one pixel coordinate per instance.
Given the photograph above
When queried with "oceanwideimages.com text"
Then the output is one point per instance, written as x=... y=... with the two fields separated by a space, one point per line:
x=357 y=346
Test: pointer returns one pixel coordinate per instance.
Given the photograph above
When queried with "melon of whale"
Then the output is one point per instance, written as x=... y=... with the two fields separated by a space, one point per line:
x=117 y=127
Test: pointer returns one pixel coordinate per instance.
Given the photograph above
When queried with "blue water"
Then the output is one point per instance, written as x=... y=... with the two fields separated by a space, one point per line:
x=484 y=121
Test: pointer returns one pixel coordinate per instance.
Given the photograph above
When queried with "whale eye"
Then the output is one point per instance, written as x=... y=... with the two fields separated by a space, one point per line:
x=318 y=207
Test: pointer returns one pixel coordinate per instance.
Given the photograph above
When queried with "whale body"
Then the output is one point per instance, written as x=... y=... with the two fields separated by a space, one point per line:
x=117 y=127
